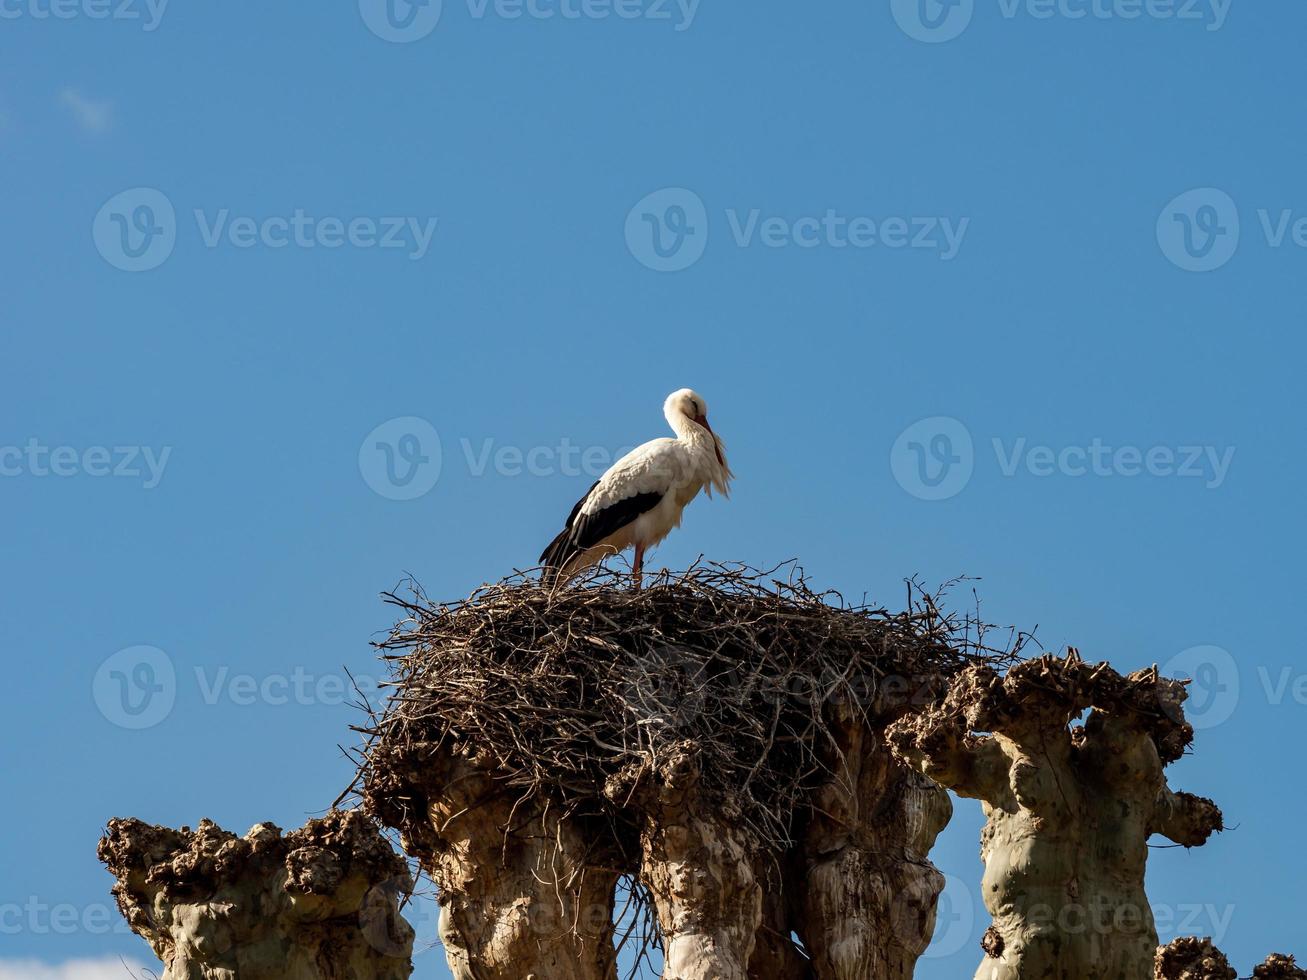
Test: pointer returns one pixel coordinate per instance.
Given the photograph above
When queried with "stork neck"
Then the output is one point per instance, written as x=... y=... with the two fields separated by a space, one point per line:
x=705 y=448
x=687 y=431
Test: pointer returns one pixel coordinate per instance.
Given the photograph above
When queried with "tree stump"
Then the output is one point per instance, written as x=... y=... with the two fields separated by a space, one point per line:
x=869 y=893
x=1069 y=812
x=320 y=903
x=699 y=866
x=524 y=890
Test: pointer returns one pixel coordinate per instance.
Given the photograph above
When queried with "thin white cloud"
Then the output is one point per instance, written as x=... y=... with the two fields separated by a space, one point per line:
x=91 y=115
x=109 y=968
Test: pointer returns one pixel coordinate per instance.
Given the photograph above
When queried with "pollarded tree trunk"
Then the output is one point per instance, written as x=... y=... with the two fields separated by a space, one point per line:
x=1069 y=813
x=700 y=868
x=1190 y=958
x=869 y=892
x=775 y=954
x=524 y=890
x=320 y=903
x=692 y=720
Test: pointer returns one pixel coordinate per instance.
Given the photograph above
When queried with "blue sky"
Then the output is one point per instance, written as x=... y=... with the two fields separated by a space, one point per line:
x=941 y=273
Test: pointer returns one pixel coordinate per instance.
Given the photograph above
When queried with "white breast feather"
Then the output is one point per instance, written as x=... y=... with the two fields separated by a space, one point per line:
x=656 y=467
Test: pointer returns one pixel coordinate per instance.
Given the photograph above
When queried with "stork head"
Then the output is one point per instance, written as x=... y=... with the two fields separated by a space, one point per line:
x=688 y=405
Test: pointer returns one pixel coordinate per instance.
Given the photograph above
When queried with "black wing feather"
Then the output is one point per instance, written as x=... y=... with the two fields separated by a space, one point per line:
x=587 y=530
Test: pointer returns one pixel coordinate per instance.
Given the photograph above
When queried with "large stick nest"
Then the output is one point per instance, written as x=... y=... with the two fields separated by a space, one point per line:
x=582 y=693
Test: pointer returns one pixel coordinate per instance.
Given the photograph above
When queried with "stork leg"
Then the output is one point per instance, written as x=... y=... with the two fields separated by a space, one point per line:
x=637 y=567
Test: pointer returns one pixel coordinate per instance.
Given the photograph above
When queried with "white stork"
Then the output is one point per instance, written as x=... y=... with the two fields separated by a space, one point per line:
x=642 y=496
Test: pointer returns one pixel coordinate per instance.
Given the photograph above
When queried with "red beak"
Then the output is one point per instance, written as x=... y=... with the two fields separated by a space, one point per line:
x=703 y=420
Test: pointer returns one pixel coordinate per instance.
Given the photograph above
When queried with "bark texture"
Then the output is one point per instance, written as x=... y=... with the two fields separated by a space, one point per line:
x=1069 y=812
x=525 y=891
x=775 y=954
x=868 y=891
x=1279 y=967
x=319 y=903
x=1190 y=958
x=699 y=866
